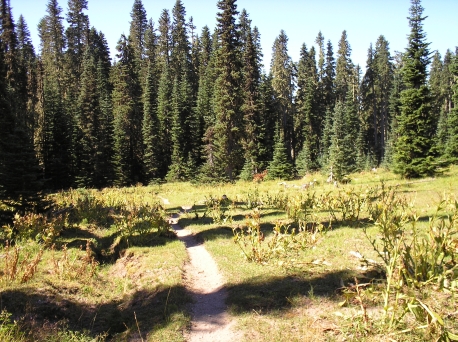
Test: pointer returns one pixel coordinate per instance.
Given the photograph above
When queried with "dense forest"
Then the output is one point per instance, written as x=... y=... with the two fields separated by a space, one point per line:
x=178 y=104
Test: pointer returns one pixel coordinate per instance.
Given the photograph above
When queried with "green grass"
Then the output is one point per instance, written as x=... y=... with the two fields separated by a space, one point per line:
x=138 y=284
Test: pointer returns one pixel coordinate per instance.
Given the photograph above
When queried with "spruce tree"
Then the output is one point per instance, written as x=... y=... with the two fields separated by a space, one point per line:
x=87 y=123
x=283 y=85
x=280 y=167
x=451 y=149
x=307 y=120
x=344 y=68
x=128 y=117
x=151 y=125
x=251 y=101
x=56 y=130
x=137 y=30
x=227 y=97
x=268 y=121
x=329 y=87
x=164 y=39
x=28 y=69
x=345 y=129
x=414 y=150
x=184 y=125
x=165 y=116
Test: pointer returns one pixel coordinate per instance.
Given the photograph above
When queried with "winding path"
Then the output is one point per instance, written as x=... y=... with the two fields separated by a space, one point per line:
x=210 y=320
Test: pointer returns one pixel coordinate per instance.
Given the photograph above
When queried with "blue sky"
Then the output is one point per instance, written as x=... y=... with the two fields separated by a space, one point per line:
x=364 y=21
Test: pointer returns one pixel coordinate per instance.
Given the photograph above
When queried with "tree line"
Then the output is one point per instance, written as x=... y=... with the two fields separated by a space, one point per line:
x=178 y=104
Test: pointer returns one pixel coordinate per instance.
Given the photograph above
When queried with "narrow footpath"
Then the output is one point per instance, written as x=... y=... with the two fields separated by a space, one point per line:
x=210 y=321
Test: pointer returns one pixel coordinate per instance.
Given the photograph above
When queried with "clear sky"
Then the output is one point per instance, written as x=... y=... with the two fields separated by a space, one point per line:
x=364 y=21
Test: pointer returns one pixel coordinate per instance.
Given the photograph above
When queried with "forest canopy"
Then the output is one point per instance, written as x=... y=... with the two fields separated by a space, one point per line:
x=180 y=104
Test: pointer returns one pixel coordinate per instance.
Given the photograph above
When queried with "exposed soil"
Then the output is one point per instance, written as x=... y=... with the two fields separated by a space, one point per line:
x=210 y=320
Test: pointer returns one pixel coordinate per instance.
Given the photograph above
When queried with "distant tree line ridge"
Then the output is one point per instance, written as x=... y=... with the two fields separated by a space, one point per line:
x=182 y=105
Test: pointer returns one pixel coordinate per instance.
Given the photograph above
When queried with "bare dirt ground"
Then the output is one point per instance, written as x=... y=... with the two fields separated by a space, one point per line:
x=210 y=320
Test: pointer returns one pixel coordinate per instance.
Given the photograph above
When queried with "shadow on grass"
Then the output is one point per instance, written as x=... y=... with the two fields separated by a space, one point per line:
x=148 y=309
x=106 y=250
x=276 y=293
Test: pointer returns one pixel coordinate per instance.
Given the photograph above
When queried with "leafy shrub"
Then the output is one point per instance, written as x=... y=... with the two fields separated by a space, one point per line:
x=37 y=227
x=281 y=245
x=72 y=266
x=19 y=267
x=134 y=222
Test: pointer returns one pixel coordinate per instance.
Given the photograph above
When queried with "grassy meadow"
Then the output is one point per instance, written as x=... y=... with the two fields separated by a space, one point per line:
x=373 y=260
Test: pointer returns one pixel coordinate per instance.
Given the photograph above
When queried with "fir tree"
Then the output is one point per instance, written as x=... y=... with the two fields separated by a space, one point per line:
x=151 y=128
x=128 y=117
x=280 y=167
x=268 y=121
x=137 y=30
x=77 y=38
x=56 y=131
x=414 y=154
x=451 y=149
x=250 y=107
x=283 y=85
x=28 y=69
x=345 y=130
x=227 y=94
x=165 y=116
x=344 y=68
x=329 y=79
x=307 y=120
x=164 y=39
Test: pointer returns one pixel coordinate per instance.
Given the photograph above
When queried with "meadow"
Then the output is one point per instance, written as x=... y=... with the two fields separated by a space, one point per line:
x=304 y=260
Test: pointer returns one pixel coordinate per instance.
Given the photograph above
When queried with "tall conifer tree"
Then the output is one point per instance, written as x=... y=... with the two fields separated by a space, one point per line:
x=414 y=153
x=344 y=68
x=227 y=97
x=283 y=85
x=128 y=116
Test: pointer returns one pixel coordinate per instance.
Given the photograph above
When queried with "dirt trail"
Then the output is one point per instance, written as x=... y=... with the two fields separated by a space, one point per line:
x=210 y=320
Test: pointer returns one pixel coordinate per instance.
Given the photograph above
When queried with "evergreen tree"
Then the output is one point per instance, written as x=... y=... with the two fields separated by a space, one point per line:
x=151 y=128
x=268 y=121
x=204 y=102
x=329 y=89
x=345 y=129
x=441 y=84
x=451 y=150
x=105 y=139
x=375 y=91
x=227 y=94
x=56 y=131
x=137 y=30
x=164 y=39
x=19 y=171
x=414 y=154
x=394 y=109
x=165 y=115
x=283 y=85
x=128 y=117
x=87 y=123
x=185 y=125
x=151 y=125
x=344 y=68
x=307 y=120
x=280 y=166
x=77 y=38
x=28 y=68
x=94 y=125
x=435 y=85
x=325 y=141
x=251 y=101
